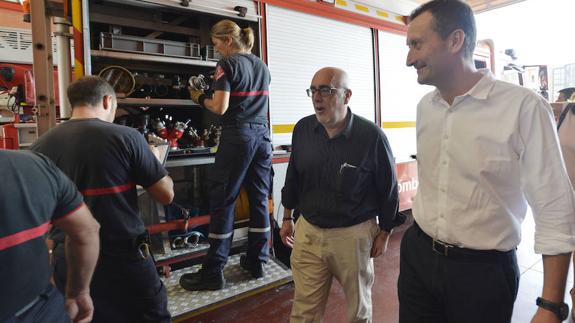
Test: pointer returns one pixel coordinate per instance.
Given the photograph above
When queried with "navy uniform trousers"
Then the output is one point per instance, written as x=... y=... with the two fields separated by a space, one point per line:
x=124 y=288
x=244 y=157
x=48 y=307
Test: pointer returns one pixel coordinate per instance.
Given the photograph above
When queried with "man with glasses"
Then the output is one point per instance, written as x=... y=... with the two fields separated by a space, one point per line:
x=341 y=176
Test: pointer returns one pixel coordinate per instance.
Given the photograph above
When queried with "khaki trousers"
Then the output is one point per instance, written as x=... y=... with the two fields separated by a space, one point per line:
x=321 y=254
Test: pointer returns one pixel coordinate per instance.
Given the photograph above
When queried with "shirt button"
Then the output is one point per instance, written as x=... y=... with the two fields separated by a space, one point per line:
x=444 y=162
x=442 y=190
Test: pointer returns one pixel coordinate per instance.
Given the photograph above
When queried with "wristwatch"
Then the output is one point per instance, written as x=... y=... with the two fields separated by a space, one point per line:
x=560 y=309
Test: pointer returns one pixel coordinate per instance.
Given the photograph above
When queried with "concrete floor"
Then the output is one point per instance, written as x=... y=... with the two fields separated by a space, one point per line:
x=274 y=305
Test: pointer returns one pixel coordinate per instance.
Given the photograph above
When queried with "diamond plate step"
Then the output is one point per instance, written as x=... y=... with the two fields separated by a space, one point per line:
x=184 y=304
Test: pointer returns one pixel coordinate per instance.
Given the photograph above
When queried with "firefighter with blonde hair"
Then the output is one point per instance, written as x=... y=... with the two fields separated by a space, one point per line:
x=244 y=157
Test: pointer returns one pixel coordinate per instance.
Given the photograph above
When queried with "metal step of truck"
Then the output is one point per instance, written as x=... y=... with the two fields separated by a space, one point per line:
x=184 y=304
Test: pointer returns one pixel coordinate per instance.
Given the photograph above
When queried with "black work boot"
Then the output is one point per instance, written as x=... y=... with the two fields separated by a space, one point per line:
x=255 y=268
x=203 y=280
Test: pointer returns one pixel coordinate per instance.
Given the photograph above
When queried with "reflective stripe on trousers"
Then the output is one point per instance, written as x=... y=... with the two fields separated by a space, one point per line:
x=244 y=157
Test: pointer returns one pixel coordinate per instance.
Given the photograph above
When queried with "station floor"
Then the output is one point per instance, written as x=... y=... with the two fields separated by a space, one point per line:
x=274 y=305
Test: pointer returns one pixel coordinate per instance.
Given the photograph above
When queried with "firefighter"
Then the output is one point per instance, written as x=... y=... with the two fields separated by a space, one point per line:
x=34 y=194
x=241 y=85
x=107 y=161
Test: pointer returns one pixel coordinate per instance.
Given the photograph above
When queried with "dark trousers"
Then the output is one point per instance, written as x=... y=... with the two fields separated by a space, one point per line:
x=123 y=289
x=467 y=286
x=47 y=308
x=244 y=157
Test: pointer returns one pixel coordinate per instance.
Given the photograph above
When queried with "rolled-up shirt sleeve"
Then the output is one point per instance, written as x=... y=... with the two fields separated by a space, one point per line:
x=291 y=187
x=545 y=181
x=386 y=182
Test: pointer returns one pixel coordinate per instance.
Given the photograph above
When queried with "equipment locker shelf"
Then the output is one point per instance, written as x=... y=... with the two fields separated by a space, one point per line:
x=158 y=25
x=124 y=56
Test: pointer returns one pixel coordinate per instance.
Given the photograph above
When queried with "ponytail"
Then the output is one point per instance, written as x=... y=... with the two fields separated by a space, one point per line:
x=247 y=38
x=243 y=39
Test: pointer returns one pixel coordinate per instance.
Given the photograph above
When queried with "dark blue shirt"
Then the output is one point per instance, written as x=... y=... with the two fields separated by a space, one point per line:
x=106 y=161
x=345 y=180
x=247 y=79
x=33 y=193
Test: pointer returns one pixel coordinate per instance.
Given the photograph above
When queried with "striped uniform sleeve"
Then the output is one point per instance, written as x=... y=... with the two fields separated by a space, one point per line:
x=222 y=77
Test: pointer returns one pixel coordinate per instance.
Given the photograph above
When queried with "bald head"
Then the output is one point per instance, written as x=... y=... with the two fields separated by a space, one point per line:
x=331 y=94
x=334 y=76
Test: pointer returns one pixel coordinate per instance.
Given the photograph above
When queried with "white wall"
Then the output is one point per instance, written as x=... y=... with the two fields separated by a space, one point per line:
x=540 y=31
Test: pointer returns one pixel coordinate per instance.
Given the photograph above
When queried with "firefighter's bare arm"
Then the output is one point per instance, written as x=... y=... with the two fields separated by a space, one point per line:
x=218 y=103
x=162 y=190
x=82 y=249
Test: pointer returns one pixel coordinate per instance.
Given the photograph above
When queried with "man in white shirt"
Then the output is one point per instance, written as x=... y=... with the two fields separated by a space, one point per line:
x=486 y=149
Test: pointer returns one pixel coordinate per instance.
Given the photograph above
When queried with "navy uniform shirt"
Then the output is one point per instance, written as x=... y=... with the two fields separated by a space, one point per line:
x=106 y=161
x=247 y=79
x=33 y=193
x=345 y=180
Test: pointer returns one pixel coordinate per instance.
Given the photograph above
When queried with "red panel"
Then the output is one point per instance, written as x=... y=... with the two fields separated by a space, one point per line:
x=263 y=30
x=280 y=160
x=30 y=88
x=18 y=78
x=10 y=6
x=177 y=224
x=407 y=182
x=23 y=76
x=9 y=137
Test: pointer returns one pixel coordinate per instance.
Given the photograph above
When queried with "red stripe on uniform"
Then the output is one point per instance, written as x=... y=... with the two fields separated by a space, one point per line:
x=107 y=190
x=69 y=213
x=250 y=93
x=23 y=236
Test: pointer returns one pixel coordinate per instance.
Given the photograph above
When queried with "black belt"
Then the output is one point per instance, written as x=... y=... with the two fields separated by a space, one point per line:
x=454 y=252
x=252 y=125
x=139 y=244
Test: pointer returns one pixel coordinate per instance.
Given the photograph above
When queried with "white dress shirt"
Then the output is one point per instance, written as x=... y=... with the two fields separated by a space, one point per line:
x=567 y=140
x=482 y=160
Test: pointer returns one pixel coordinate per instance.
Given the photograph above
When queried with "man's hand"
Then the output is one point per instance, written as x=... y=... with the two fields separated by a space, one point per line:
x=545 y=316
x=379 y=245
x=195 y=95
x=80 y=308
x=286 y=233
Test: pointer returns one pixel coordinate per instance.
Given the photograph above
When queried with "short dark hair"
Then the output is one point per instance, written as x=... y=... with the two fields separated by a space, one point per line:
x=450 y=15
x=89 y=90
x=567 y=92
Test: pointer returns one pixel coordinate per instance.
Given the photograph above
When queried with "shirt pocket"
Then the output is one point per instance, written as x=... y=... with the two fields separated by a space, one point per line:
x=352 y=180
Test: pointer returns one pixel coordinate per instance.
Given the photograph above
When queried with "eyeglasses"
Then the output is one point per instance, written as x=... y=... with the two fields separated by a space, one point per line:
x=324 y=90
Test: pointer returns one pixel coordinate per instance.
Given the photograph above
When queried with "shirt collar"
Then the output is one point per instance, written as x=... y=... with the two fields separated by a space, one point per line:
x=479 y=91
x=345 y=132
x=482 y=88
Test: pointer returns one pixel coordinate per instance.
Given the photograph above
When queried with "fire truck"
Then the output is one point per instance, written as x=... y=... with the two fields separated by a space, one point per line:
x=149 y=49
